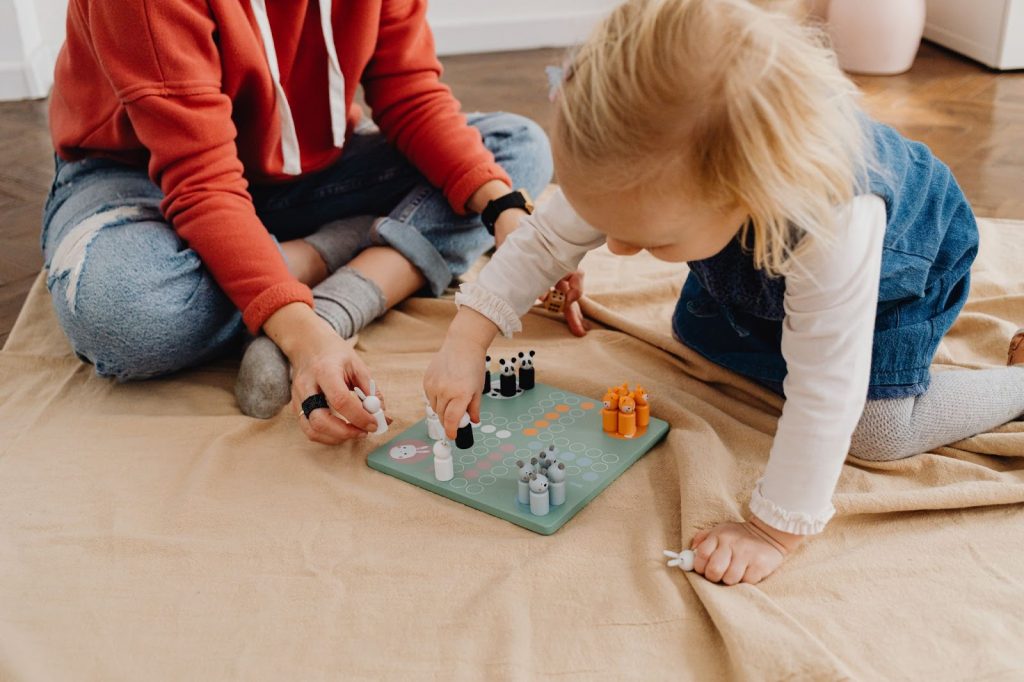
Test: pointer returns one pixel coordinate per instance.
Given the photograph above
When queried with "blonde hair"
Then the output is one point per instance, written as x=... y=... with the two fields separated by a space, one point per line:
x=736 y=96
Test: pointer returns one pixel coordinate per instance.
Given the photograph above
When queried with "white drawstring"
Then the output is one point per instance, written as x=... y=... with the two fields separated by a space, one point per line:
x=336 y=79
x=336 y=86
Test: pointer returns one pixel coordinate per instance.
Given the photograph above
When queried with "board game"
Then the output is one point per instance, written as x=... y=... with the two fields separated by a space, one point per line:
x=515 y=429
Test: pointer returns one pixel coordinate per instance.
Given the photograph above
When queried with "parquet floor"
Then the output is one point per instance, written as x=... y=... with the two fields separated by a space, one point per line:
x=972 y=117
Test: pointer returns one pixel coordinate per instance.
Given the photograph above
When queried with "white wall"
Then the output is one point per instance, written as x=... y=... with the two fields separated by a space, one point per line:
x=31 y=33
x=486 y=26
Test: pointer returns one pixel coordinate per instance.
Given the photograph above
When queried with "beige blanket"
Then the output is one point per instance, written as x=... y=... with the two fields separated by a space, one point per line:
x=150 y=532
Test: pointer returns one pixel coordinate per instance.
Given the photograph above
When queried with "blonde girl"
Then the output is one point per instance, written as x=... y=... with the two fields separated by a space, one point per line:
x=828 y=255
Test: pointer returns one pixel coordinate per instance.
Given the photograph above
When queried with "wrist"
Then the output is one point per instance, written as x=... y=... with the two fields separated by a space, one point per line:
x=507 y=223
x=487 y=192
x=294 y=326
x=470 y=331
x=789 y=541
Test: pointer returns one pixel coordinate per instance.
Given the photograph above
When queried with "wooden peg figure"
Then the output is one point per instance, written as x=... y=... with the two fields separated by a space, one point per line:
x=627 y=416
x=610 y=411
x=643 y=407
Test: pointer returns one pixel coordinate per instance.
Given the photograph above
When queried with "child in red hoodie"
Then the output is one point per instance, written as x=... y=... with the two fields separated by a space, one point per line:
x=212 y=169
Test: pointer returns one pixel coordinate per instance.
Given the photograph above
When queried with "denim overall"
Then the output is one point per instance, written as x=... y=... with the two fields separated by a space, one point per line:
x=731 y=313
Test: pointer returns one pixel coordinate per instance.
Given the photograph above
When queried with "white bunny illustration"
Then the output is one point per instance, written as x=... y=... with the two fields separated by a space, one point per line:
x=371 y=403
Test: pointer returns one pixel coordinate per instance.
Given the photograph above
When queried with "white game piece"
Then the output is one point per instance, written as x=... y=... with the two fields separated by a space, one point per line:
x=523 y=487
x=540 y=503
x=684 y=559
x=371 y=403
x=444 y=465
x=435 y=430
x=556 y=475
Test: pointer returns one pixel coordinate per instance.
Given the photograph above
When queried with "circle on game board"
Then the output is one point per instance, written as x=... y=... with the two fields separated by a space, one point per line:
x=572 y=400
x=577 y=447
x=458 y=468
x=535 y=445
x=488 y=428
x=562 y=408
x=515 y=426
x=561 y=441
x=530 y=432
x=474 y=489
x=610 y=458
x=503 y=434
x=459 y=482
x=523 y=452
x=492 y=442
x=509 y=461
x=500 y=470
x=594 y=452
x=467 y=459
x=479 y=449
x=546 y=403
x=584 y=461
x=567 y=457
x=471 y=474
x=484 y=464
x=599 y=466
x=557 y=395
x=486 y=479
x=494 y=456
x=486 y=416
x=590 y=476
x=546 y=437
x=587 y=406
x=576 y=412
x=523 y=418
x=499 y=421
x=556 y=428
x=573 y=471
x=551 y=416
x=535 y=411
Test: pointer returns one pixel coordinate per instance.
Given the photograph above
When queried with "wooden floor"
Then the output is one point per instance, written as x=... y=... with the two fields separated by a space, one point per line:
x=972 y=117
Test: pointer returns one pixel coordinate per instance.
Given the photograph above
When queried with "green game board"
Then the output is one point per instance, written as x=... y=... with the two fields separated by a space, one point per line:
x=518 y=428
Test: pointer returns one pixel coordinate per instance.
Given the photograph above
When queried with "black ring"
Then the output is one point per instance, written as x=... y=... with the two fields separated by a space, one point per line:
x=314 y=402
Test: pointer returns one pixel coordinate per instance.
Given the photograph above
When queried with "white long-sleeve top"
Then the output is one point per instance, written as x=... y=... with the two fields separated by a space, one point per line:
x=830 y=303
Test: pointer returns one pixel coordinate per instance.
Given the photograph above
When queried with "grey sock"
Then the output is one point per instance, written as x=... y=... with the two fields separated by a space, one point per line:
x=339 y=241
x=958 y=404
x=347 y=300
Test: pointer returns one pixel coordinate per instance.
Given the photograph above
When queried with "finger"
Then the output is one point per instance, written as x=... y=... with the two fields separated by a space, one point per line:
x=563 y=285
x=698 y=538
x=718 y=564
x=303 y=387
x=474 y=408
x=737 y=568
x=754 y=574
x=308 y=430
x=450 y=415
x=344 y=402
x=574 y=318
x=703 y=552
x=332 y=429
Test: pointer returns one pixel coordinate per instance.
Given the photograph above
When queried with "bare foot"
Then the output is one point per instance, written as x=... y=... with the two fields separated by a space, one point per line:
x=1015 y=356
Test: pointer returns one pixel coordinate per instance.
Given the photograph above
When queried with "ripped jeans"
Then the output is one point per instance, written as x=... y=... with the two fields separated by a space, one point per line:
x=137 y=302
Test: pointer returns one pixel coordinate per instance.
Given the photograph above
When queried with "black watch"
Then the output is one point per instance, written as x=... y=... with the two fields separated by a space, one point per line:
x=519 y=199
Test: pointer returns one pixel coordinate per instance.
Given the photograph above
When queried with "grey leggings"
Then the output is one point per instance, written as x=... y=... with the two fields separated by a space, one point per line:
x=958 y=404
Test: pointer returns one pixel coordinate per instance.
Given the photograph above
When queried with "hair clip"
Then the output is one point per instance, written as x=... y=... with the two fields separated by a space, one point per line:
x=556 y=76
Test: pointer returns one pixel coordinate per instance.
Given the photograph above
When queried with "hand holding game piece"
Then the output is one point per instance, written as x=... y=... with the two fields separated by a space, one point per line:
x=564 y=298
x=371 y=403
x=452 y=382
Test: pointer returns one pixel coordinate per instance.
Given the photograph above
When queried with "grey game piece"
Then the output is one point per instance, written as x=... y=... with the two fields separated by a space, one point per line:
x=540 y=502
x=523 y=489
x=556 y=475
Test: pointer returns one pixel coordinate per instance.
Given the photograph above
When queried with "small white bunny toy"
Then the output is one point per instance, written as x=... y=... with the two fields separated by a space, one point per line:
x=371 y=403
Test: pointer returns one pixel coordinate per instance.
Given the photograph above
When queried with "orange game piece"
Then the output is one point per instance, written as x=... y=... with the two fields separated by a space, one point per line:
x=643 y=407
x=610 y=411
x=627 y=417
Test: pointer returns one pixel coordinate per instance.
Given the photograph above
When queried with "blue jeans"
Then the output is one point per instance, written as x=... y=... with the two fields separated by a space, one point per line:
x=136 y=302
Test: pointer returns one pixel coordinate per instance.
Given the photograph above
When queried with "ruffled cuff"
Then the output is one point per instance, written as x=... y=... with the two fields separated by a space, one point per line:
x=493 y=307
x=778 y=518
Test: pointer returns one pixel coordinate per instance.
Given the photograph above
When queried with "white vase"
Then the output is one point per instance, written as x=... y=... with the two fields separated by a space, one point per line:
x=878 y=37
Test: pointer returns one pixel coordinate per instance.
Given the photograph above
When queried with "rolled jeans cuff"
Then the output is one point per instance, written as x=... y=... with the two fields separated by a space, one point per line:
x=409 y=242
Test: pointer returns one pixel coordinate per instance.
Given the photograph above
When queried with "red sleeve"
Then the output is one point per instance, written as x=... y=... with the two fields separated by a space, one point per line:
x=162 y=61
x=417 y=113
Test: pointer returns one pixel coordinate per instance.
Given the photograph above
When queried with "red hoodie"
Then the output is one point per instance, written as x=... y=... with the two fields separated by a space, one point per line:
x=188 y=88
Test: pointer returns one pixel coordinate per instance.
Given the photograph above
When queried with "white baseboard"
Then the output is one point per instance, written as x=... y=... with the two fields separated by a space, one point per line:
x=500 y=35
x=28 y=80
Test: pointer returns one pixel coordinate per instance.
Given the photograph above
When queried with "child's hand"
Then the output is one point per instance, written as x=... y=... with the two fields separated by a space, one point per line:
x=572 y=286
x=741 y=552
x=455 y=375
